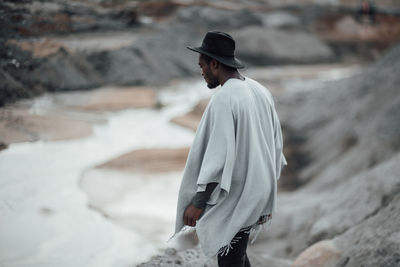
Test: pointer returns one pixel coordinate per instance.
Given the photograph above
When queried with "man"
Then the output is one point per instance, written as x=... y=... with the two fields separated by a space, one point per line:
x=229 y=184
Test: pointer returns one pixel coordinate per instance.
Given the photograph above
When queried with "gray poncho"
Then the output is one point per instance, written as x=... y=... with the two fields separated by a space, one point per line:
x=238 y=144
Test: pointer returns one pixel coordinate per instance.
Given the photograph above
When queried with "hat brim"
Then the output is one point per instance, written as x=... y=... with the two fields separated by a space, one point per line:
x=228 y=61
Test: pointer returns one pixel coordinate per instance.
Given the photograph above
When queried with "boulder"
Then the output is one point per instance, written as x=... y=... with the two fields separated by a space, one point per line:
x=321 y=254
x=267 y=46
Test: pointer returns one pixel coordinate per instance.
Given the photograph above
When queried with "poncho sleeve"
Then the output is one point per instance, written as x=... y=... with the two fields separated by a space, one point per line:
x=215 y=141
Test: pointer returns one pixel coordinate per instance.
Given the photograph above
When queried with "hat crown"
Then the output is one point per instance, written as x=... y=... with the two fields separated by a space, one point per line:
x=219 y=43
x=219 y=46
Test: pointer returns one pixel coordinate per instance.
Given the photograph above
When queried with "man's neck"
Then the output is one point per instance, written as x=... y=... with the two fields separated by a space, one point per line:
x=230 y=75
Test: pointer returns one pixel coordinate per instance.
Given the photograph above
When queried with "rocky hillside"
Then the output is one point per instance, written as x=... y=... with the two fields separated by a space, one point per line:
x=350 y=133
x=75 y=45
x=346 y=210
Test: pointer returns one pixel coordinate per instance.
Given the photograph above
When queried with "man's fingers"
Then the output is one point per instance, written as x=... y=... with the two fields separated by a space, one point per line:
x=194 y=219
x=191 y=216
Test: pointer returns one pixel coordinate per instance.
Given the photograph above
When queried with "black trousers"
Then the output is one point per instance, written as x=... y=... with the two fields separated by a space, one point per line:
x=236 y=257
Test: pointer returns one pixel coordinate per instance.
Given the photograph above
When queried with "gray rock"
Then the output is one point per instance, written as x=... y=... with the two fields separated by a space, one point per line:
x=375 y=241
x=11 y=89
x=280 y=19
x=356 y=199
x=195 y=258
x=64 y=71
x=324 y=214
x=153 y=59
x=265 y=46
x=185 y=258
x=37 y=18
x=352 y=135
x=208 y=18
x=26 y=76
x=322 y=254
x=357 y=116
x=265 y=259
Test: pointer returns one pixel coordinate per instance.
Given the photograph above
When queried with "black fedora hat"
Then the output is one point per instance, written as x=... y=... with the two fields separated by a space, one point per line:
x=221 y=47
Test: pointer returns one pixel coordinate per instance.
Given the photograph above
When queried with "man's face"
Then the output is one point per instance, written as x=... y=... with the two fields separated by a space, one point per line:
x=211 y=79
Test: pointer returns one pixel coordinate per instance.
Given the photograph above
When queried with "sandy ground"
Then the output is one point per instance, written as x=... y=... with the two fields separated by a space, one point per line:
x=21 y=125
x=157 y=160
x=70 y=115
x=112 y=98
x=191 y=119
x=42 y=47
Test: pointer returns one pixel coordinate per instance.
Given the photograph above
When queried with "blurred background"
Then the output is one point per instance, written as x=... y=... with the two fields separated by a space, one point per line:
x=100 y=100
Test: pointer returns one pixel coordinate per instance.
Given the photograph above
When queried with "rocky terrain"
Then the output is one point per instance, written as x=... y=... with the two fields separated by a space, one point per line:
x=339 y=196
x=353 y=145
x=77 y=45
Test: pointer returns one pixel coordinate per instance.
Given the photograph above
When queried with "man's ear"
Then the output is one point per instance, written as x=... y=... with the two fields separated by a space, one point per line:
x=214 y=64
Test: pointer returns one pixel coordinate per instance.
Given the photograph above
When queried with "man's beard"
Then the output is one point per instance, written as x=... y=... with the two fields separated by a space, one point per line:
x=213 y=84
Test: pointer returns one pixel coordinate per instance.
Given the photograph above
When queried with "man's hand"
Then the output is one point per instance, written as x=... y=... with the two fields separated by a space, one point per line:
x=192 y=214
